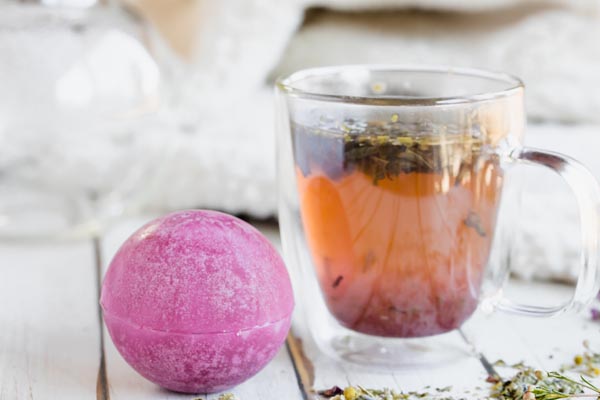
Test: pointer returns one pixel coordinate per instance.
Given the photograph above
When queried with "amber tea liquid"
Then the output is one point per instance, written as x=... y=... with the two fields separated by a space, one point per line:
x=399 y=222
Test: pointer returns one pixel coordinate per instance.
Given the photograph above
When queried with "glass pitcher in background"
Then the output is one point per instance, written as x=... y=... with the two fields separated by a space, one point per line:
x=79 y=93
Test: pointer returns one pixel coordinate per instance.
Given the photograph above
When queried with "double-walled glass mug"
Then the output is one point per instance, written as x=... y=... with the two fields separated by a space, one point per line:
x=390 y=181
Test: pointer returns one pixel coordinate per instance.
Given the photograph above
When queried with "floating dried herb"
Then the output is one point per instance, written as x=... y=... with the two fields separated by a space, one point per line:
x=337 y=281
x=473 y=221
x=384 y=149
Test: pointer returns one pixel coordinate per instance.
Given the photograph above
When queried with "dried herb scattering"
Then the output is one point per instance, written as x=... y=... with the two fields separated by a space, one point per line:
x=541 y=385
x=361 y=393
x=527 y=384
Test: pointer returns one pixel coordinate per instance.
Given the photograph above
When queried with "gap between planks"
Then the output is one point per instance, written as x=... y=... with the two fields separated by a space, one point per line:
x=303 y=367
x=485 y=363
x=102 y=388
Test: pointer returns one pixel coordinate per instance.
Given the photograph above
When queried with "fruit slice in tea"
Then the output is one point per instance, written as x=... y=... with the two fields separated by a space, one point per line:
x=399 y=227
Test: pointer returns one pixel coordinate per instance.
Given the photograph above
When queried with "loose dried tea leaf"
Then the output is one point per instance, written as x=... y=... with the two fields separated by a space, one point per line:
x=333 y=391
x=228 y=396
x=519 y=365
x=224 y=396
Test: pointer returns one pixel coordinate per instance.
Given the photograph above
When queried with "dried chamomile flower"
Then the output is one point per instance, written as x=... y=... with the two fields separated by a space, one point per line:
x=350 y=393
x=587 y=363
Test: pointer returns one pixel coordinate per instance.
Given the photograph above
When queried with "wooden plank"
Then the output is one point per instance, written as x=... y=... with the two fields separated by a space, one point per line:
x=497 y=336
x=49 y=342
x=275 y=380
x=545 y=343
x=49 y=326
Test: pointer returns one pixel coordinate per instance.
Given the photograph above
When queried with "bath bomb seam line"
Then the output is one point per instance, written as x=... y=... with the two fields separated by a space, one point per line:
x=239 y=331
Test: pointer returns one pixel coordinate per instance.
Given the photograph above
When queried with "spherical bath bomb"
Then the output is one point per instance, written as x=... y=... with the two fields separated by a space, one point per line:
x=197 y=301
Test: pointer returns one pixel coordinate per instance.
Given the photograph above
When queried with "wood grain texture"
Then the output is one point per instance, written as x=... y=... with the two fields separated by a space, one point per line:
x=102 y=389
x=49 y=342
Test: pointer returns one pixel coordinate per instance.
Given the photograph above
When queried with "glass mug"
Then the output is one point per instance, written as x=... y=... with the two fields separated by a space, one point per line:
x=390 y=180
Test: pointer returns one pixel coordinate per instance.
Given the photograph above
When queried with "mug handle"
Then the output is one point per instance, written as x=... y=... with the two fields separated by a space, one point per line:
x=587 y=192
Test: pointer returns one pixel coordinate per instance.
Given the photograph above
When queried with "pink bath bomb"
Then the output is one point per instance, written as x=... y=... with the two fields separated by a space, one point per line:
x=197 y=301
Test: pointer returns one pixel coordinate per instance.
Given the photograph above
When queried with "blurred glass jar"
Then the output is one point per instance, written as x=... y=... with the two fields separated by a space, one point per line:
x=79 y=93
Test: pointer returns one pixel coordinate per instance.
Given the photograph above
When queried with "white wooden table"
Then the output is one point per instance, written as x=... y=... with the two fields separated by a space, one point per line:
x=53 y=344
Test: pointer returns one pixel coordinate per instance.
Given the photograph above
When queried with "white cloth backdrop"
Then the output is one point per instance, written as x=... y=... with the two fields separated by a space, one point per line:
x=221 y=111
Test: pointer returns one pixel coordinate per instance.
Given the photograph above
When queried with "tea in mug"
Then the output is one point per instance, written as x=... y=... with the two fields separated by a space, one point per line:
x=399 y=219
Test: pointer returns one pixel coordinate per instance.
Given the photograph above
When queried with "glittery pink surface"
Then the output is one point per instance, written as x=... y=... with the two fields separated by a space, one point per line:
x=197 y=301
